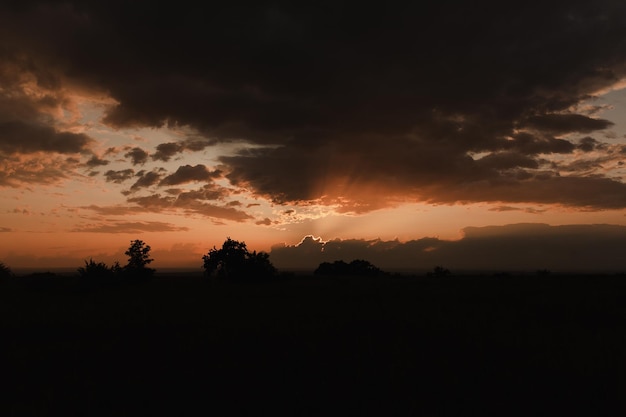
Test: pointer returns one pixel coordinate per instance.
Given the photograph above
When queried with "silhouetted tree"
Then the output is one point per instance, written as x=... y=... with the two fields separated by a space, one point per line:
x=439 y=271
x=233 y=261
x=5 y=271
x=138 y=258
x=364 y=268
x=357 y=267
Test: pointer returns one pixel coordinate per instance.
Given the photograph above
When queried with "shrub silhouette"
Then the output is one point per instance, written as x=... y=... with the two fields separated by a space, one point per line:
x=439 y=271
x=234 y=262
x=99 y=272
x=356 y=267
x=5 y=272
x=138 y=260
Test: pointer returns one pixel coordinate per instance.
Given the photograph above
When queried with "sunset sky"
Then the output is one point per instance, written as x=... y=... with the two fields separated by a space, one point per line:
x=472 y=134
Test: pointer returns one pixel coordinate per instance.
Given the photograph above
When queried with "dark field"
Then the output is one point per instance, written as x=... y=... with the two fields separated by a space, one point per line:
x=456 y=346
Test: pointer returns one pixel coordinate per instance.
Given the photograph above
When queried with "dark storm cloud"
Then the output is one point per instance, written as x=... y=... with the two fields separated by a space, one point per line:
x=28 y=137
x=534 y=144
x=399 y=92
x=188 y=173
x=593 y=192
x=506 y=160
x=165 y=151
x=566 y=123
x=30 y=95
x=137 y=156
x=119 y=177
x=521 y=247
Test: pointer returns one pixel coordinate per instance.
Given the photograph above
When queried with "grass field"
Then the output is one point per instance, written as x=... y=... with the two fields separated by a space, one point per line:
x=454 y=346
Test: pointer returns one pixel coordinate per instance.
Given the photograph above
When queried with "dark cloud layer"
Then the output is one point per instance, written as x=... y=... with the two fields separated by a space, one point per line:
x=28 y=137
x=391 y=99
x=188 y=173
x=165 y=151
x=119 y=176
x=512 y=248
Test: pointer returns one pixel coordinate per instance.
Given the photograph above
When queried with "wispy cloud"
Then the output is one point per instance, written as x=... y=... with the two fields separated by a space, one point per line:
x=128 y=227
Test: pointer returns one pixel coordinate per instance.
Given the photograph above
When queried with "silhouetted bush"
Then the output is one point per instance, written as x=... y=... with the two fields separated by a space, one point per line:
x=5 y=272
x=439 y=272
x=357 y=267
x=234 y=262
x=100 y=273
x=138 y=260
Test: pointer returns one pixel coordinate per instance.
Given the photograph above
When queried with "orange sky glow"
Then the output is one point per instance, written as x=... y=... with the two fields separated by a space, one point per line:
x=182 y=152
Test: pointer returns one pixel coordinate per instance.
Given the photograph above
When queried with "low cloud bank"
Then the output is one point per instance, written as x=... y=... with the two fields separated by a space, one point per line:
x=510 y=248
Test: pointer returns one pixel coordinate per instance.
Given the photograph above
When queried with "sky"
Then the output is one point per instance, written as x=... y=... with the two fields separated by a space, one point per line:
x=475 y=134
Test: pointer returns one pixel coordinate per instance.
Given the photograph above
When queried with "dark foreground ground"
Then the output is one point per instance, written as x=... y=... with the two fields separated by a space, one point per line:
x=460 y=346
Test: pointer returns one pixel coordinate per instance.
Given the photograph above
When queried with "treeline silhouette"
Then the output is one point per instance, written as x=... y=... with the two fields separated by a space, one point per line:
x=477 y=345
x=231 y=262
x=358 y=267
x=136 y=269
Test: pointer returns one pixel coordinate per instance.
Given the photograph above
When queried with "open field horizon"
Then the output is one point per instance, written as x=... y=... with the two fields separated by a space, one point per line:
x=490 y=346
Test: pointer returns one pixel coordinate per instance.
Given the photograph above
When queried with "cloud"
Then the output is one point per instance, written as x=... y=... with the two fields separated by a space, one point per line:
x=94 y=161
x=36 y=111
x=119 y=176
x=23 y=137
x=191 y=203
x=508 y=160
x=565 y=123
x=265 y=222
x=146 y=179
x=118 y=210
x=531 y=210
x=595 y=193
x=137 y=156
x=588 y=144
x=533 y=144
x=165 y=151
x=320 y=121
x=520 y=247
x=188 y=173
x=208 y=192
x=129 y=227
x=5 y=229
x=39 y=169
